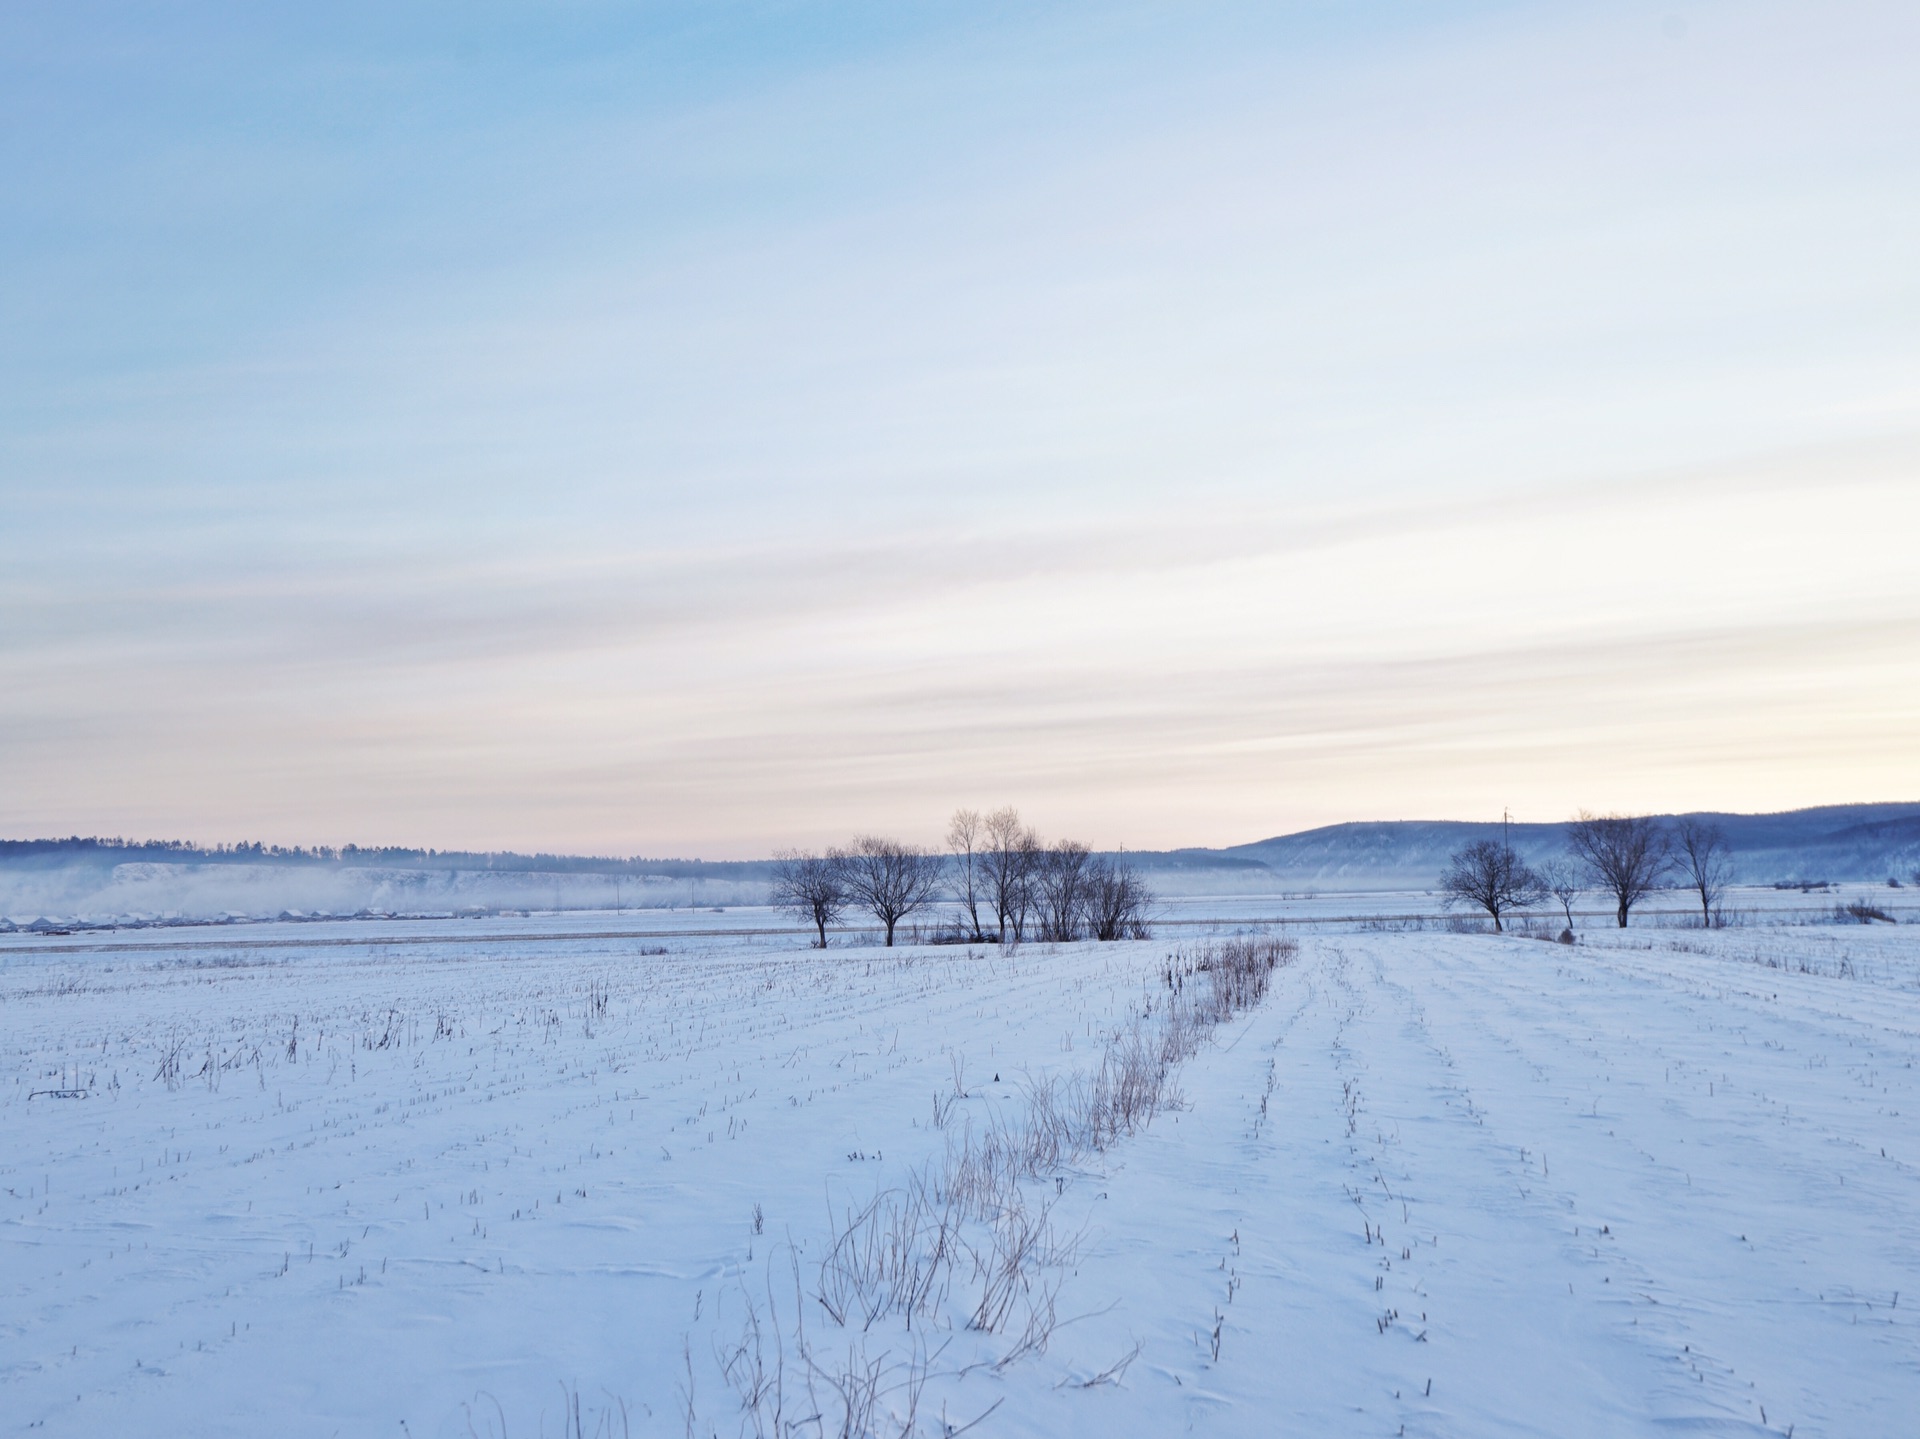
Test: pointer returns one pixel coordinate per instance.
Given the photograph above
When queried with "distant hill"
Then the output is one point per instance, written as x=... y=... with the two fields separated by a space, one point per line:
x=1833 y=842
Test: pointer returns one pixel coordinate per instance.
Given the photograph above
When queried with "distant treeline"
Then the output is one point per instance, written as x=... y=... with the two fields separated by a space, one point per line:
x=115 y=850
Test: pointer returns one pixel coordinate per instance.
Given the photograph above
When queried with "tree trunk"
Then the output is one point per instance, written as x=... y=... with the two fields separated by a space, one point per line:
x=822 y=925
x=890 y=924
x=1623 y=914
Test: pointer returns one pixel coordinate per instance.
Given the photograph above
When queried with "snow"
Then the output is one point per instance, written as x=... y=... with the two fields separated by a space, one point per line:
x=1439 y=1184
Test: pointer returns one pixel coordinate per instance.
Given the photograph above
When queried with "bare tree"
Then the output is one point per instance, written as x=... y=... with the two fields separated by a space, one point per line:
x=1700 y=851
x=1490 y=875
x=1562 y=879
x=1117 y=900
x=1026 y=898
x=809 y=887
x=965 y=834
x=1060 y=885
x=1625 y=855
x=889 y=879
x=1008 y=856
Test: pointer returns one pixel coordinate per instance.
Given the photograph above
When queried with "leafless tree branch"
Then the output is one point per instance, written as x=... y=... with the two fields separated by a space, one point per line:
x=964 y=836
x=888 y=879
x=1625 y=855
x=1490 y=876
x=1701 y=853
x=809 y=887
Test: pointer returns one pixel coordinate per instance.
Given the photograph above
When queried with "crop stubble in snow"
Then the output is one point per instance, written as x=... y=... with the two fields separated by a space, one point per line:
x=1460 y=1184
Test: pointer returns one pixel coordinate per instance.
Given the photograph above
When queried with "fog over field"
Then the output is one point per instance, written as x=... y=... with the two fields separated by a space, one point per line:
x=91 y=883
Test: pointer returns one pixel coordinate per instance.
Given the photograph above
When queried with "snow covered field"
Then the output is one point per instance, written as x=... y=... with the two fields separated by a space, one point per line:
x=322 y=1181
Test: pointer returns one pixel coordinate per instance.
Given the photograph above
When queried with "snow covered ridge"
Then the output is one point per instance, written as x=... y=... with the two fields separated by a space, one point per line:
x=1452 y=1182
x=1833 y=843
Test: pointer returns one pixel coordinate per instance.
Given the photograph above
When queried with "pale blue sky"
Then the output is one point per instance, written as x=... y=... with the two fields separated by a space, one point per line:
x=702 y=428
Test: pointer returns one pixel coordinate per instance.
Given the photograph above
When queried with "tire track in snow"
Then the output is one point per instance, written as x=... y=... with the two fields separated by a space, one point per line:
x=1699 y=1132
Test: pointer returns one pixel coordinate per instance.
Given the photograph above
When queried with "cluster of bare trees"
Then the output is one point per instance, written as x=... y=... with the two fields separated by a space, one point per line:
x=1005 y=883
x=1625 y=857
x=1027 y=888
